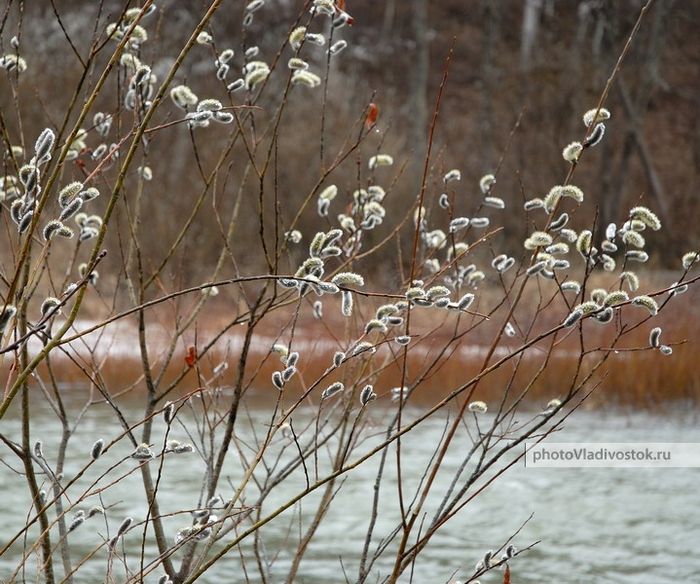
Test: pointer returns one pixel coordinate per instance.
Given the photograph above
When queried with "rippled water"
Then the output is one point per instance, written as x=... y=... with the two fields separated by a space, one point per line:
x=627 y=526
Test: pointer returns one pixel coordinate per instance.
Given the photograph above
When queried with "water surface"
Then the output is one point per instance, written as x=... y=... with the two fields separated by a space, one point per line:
x=626 y=526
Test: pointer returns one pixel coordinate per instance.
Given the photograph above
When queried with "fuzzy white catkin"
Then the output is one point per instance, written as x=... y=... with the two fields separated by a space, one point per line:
x=637 y=255
x=480 y=222
x=346 y=303
x=254 y=6
x=363 y=347
x=169 y=412
x=7 y=314
x=96 y=450
x=435 y=292
x=465 y=301
x=689 y=259
x=325 y=7
x=183 y=97
x=499 y=259
x=296 y=37
x=605 y=316
x=367 y=395
x=583 y=243
x=540 y=239
x=67 y=193
x=646 y=302
x=458 y=223
x=332 y=389
x=338 y=47
x=142 y=452
x=536 y=268
x=569 y=234
x=494 y=202
x=608 y=246
x=631 y=280
x=256 y=76
x=380 y=160
x=76 y=522
x=375 y=325
x=236 y=85
x=452 y=175
x=322 y=207
x=573 y=318
x=444 y=303
x=293 y=236
x=616 y=297
x=595 y=136
x=51 y=229
x=316 y=39
x=533 y=204
x=678 y=289
x=557 y=248
x=478 y=407
x=44 y=145
x=288 y=373
x=655 y=337
x=486 y=183
x=348 y=279
x=25 y=221
x=50 y=306
x=204 y=38
x=646 y=216
x=632 y=238
x=329 y=193
x=71 y=208
x=559 y=222
x=506 y=265
x=572 y=151
x=590 y=117
x=296 y=63
x=306 y=78
x=124 y=526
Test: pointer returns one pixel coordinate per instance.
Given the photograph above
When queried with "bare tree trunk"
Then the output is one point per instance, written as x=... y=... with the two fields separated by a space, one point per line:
x=389 y=17
x=528 y=37
x=490 y=18
x=419 y=83
x=577 y=63
x=635 y=109
x=645 y=156
x=605 y=34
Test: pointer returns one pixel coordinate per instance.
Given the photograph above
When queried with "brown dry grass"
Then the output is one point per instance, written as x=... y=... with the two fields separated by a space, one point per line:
x=644 y=379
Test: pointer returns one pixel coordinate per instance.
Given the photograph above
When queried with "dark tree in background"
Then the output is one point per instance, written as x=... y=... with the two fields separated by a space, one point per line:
x=509 y=57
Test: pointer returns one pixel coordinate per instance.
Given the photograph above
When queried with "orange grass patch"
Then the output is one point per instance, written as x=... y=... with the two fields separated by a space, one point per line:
x=645 y=379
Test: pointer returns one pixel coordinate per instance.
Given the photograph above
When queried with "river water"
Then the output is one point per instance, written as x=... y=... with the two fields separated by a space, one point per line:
x=626 y=526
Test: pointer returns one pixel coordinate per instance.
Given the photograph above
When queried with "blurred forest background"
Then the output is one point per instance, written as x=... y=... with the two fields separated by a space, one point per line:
x=548 y=59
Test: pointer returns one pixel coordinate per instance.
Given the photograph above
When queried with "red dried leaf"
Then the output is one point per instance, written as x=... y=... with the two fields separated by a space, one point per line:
x=191 y=357
x=340 y=6
x=506 y=575
x=372 y=115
